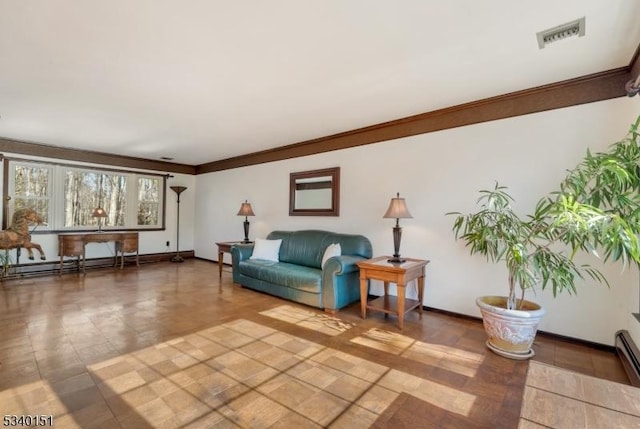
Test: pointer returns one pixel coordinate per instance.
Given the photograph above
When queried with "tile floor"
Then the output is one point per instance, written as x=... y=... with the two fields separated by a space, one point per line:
x=557 y=398
x=169 y=345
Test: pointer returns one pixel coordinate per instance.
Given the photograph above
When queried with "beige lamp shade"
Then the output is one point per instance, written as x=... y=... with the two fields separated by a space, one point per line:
x=398 y=209
x=245 y=209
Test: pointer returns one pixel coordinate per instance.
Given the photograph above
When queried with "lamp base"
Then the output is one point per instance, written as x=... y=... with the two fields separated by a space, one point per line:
x=177 y=258
x=395 y=260
x=246 y=230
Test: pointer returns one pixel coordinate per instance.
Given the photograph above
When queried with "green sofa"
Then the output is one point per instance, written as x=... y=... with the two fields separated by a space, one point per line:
x=298 y=275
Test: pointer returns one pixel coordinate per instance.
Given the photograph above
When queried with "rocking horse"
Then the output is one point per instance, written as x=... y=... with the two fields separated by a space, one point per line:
x=18 y=235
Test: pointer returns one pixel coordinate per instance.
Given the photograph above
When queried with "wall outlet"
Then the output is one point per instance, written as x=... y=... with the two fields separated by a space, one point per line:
x=167 y=244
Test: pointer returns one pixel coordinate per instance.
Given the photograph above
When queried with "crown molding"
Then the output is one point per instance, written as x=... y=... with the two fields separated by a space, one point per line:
x=586 y=89
x=68 y=154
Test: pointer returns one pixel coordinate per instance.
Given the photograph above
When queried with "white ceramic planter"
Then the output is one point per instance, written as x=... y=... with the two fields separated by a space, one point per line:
x=511 y=332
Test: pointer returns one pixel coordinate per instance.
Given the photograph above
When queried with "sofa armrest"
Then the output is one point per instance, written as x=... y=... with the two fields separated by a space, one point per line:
x=239 y=252
x=342 y=264
x=340 y=281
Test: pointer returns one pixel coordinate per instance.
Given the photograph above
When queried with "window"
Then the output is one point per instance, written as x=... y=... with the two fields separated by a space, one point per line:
x=67 y=195
x=31 y=188
x=149 y=198
x=85 y=190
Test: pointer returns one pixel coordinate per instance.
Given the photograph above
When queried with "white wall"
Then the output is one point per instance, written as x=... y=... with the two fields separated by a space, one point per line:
x=633 y=302
x=150 y=241
x=437 y=173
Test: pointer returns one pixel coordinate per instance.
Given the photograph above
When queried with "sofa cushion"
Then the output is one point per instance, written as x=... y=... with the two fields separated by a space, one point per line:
x=294 y=276
x=332 y=250
x=266 y=249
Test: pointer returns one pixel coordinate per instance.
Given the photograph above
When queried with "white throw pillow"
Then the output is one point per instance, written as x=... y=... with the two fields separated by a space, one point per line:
x=332 y=250
x=266 y=249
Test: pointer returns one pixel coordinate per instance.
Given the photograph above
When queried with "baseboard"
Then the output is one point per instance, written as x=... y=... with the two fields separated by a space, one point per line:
x=53 y=267
x=591 y=344
x=200 y=258
x=629 y=355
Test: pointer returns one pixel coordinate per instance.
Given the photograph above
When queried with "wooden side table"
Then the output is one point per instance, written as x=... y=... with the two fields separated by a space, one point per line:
x=400 y=274
x=225 y=247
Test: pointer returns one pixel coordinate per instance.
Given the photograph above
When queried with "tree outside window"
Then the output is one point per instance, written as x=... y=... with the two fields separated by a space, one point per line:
x=86 y=190
x=31 y=191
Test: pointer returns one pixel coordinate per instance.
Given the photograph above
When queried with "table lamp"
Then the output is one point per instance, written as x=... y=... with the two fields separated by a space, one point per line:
x=246 y=210
x=398 y=210
x=99 y=212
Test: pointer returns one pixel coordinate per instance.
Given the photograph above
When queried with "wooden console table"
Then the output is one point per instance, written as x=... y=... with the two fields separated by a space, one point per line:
x=400 y=274
x=225 y=247
x=74 y=244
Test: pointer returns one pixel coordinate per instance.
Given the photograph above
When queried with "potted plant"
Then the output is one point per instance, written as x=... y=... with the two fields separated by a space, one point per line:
x=596 y=209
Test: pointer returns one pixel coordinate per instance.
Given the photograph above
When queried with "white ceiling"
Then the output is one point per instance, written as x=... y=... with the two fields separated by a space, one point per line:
x=204 y=80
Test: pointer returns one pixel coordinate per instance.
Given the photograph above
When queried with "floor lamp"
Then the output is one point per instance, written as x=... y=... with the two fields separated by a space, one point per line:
x=178 y=190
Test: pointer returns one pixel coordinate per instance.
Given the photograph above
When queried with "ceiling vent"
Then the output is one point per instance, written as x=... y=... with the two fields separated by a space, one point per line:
x=564 y=31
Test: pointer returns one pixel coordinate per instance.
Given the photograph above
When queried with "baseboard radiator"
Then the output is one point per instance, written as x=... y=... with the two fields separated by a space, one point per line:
x=52 y=267
x=629 y=355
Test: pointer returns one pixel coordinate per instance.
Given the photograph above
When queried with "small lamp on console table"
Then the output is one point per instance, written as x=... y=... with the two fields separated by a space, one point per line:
x=178 y=190
x=246 y=210
x=398 y=210
x=99 y=212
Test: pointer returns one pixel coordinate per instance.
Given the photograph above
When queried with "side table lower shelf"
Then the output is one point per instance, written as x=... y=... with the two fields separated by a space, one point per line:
x=389 y=304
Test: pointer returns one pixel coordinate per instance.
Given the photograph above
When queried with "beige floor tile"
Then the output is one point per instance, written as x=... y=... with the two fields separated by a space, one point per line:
x=211 y=420
x=348 y=387
x=276 y=358
x=316 y=374
x=377 y=399
x=184 y=361
x=253 y=410
x=121 y=383
x=322 y=408
x=251 y=329
x=399 y=381
x=354 y=418
x=80 y=399
x=607 y=394
x=440 y=395
x=227 y=337
x=93 y=415
x=551 y=410
x=295 y=345
x=294 y=420
x=66 y=370
x=526 y=424
x=378 y=345
x=288 y=391
x=122 y=404
x=150 y=356
x=158 y=414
